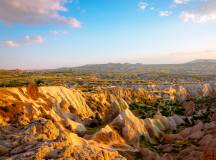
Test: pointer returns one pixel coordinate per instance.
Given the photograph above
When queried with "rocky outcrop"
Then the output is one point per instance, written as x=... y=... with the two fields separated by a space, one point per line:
x=131 y=127
x=60 y=100
x=187 y=92
x=60 y=123
x=42 y=139
x=109 y=136
x=192 y=143
x=189 y=107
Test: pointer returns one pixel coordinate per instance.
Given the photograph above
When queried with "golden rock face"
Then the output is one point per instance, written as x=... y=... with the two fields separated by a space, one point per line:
x=61 y=123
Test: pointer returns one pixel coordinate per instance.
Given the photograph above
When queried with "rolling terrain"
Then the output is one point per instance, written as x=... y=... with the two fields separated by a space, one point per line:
x=199 y=66
x=54 y=122
x=112 y=74
x=97 y=112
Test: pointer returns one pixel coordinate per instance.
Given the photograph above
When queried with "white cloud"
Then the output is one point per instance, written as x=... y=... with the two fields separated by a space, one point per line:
x=142 y=5
x=36 y=12
x=27 y=40
x=9 y=44
x=165 y=13
x=206 y=12
x=181 y=1
x=32 y=40
x=58 y=32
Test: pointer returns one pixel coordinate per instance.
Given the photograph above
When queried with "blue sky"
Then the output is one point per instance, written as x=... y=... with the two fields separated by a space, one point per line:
x=59 y=33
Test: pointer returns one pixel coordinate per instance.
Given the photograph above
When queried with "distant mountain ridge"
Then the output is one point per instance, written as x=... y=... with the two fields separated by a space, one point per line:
x=197 y=61
x=199 y=66
x=202 y=61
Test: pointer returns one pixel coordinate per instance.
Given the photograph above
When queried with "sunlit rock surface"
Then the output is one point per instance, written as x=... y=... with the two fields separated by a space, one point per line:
x=61 y=123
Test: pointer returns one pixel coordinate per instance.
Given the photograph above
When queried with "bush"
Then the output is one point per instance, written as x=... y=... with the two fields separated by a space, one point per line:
x=13 y=84
x=39 y=82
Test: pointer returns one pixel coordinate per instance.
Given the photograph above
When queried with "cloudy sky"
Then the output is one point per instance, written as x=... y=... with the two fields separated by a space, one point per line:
x=37 y=34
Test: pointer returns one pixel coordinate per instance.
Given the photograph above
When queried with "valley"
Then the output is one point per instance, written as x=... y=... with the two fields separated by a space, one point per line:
x=157 y=122
x=107 y=80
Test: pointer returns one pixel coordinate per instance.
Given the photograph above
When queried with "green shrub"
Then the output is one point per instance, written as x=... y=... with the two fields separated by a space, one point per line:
x=39 y=82
x=13 y=84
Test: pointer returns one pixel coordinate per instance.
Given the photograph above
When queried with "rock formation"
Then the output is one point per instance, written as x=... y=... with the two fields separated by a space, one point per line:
x=60 y=123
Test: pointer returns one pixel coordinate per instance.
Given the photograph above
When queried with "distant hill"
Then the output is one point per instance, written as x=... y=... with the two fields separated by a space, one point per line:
x=199 y=66
x=203 y=61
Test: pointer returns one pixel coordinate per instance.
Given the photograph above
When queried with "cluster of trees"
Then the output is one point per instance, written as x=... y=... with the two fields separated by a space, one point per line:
x=149 y=109
x=14 y=83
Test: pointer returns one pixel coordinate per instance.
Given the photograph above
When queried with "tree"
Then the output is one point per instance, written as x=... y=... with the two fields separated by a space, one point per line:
x=39 y=82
